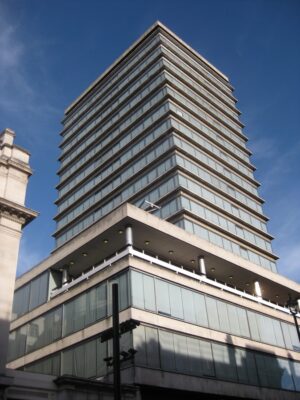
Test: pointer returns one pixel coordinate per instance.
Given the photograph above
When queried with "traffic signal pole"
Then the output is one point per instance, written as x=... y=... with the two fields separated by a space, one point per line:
x=116 y=342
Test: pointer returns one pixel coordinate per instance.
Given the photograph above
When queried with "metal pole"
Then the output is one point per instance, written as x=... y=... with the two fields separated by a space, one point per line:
x=116 y=342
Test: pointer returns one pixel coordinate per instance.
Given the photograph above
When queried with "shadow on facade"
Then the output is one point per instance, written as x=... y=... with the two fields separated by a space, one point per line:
x=219 y=361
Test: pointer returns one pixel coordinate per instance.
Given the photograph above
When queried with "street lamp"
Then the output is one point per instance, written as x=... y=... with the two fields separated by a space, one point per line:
x=293 y=306
x=114 y=333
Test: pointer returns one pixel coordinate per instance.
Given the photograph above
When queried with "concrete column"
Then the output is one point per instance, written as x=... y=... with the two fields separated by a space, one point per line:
x=65 y=276
x=257 y=289
x=202 y=265
x=129 y=235
x=14 y=174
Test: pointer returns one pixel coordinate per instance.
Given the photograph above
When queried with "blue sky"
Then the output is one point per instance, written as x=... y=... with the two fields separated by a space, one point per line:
x=50 y=51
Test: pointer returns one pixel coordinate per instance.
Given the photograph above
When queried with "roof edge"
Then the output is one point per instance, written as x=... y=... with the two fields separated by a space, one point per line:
x=154 y=26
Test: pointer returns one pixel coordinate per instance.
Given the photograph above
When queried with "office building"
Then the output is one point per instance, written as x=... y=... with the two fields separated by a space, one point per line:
x=156 y=192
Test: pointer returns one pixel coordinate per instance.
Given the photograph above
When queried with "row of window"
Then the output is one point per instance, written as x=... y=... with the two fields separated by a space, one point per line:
x=188 y=132
x=133 y=151
x=194 y=82
x=138 y=112
x=209 y=132
x=215 y=165
x=104 y=155
x=175 y=205
x=128 y=138
x=101 y=114
x=203 y=174
x=153 y=294
x=200 y=101
x=168 y=351
x=179 y=180
x=226 y=244
x=206 y=194
x=133 y=188
x=160 y=190
x=106 y=98
x=122 y=73
x=85 y=360
x=30 y=295
x=224 y=223
x=210 y=120
x=90 y=200
x=165 y=298
x=80 y=312
x=185 y=59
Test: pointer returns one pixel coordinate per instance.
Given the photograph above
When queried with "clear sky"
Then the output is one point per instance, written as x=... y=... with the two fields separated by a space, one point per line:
x=50 y=51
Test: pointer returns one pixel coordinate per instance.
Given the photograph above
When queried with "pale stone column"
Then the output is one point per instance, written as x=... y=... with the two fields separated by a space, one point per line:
x=14 y=174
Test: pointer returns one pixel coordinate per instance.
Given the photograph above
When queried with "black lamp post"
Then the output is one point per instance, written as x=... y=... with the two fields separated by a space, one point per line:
x=114 y=333
x=294 y=309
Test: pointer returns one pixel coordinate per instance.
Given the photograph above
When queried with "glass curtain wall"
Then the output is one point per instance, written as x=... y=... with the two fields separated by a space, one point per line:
x=162 y=297
x=169 y=351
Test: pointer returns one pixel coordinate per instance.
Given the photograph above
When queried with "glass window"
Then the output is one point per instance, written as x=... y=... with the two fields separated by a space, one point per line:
x=268 y=370
x=233 y=320
x=44 y=330
x=123 y=290
x=91 y=305
x=200 y=309
x=181 y=354
x=290 y=336
x=206 y=356
x=17 y=343
x=69 y=315
x=212 y=313
x=295 y=368
x=140 y=344
x=195 y=362
x=90 y=358
x=21 y=301
x=224 y=359
x=137 y=289
x=286 y=374
x=49 y=366
x=188 y=306
x=38 y=291
x=253 y=324
x=167 y=352
x=243 y=322
x=101 y=352
x=162 y=297
x=80 y=310
x=176 y=301
x=149 y=293
x=246 y=368
x=152 y=347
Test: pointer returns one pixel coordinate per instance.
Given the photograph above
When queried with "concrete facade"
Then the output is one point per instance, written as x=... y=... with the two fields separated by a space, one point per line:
x=157 y=193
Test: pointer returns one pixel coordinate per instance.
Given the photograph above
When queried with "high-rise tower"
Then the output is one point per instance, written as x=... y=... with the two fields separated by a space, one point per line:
x=157 y=193
x=161 y=126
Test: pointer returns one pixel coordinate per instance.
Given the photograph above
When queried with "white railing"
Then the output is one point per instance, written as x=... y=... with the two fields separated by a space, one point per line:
x=167 y=265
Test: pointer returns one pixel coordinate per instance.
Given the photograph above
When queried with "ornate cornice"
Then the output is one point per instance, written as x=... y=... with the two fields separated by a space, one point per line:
x=10 y=162
x=16 y=212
